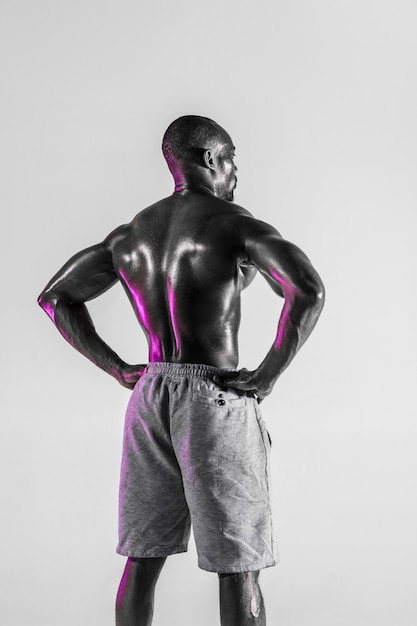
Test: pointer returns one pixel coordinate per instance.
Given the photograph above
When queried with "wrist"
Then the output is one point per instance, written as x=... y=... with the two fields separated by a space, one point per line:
x=264 y=381
x=117 y=369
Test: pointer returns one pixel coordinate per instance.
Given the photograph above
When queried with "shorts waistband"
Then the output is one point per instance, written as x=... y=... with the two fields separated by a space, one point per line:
x=190 y=370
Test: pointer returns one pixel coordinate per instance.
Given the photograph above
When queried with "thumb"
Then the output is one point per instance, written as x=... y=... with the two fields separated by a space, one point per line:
x=236 y=380
x=226 y=378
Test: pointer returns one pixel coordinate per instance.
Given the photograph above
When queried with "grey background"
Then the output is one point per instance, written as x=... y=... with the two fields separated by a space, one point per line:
x=320 y=98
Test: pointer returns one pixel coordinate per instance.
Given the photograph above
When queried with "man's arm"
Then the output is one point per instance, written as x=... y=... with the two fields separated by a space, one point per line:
x=291 y=275
x=84 y=277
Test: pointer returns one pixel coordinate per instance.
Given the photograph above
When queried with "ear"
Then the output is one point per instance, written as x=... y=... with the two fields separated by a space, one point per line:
x=208 y=159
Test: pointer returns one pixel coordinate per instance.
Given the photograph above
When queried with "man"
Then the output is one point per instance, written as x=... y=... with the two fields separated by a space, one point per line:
x=195 y=444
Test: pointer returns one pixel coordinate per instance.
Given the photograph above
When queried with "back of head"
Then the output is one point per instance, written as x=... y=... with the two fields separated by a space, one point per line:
x=186 y=137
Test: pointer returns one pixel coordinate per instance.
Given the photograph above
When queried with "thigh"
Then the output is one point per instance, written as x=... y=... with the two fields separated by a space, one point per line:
x=223 y=449
x=153 y=513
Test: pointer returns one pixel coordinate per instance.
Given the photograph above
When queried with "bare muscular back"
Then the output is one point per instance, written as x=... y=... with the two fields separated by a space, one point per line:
x=182 y=264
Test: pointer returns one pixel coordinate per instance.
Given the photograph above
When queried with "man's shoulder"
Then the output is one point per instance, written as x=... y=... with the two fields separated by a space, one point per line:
x=116 y=236
x=232 y=217
x=152 y=210
x=124 y=230
x=249 y=226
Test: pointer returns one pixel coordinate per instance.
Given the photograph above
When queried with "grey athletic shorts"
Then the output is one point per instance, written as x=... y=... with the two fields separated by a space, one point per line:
x=194 y=452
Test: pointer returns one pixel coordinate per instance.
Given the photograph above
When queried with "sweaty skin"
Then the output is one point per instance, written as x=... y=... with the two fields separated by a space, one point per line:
x=183 y=263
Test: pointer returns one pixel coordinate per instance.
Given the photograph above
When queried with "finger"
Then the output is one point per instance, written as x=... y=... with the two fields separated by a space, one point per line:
x=231 y=383
x=228 y=374
x=127 y=385
x=225 y=379
x=241 y=385
x=130 y=381
x=236 y=384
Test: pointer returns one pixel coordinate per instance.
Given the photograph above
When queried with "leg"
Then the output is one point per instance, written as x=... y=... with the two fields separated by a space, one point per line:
x=134 y=603
x=241 y=602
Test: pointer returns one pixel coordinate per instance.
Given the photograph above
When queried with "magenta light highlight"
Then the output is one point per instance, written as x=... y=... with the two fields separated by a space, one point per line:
x=278 y=278
x=49 y=309
x=155 y=353
x=171 y=304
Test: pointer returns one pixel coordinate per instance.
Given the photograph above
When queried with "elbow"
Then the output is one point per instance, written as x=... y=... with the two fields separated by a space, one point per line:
x=314 y=294
x=41 y=300
x=320 y=294
x=48 y=301
x=45 y=299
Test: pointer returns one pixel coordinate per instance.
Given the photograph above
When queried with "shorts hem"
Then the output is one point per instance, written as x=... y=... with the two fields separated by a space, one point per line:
x=237 y=567
x=152 y=553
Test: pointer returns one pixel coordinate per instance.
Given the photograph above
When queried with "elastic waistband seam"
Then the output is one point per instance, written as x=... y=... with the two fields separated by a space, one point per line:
x=184 y=369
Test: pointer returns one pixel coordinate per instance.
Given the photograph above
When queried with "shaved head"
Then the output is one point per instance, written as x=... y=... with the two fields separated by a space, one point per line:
x=187 y=136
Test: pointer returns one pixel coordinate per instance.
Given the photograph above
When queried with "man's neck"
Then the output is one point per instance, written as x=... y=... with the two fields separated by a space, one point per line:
x=193 y=186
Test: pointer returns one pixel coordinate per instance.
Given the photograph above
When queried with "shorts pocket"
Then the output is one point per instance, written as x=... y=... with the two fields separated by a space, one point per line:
x=262 y=426
x=219 y=398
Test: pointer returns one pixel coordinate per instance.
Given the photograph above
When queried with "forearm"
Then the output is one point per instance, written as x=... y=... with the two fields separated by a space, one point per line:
x=75 y=325
x=297 y=320
x=291 y=275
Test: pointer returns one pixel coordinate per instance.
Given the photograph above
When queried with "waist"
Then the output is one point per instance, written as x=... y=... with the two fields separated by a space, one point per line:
x=189 y=370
